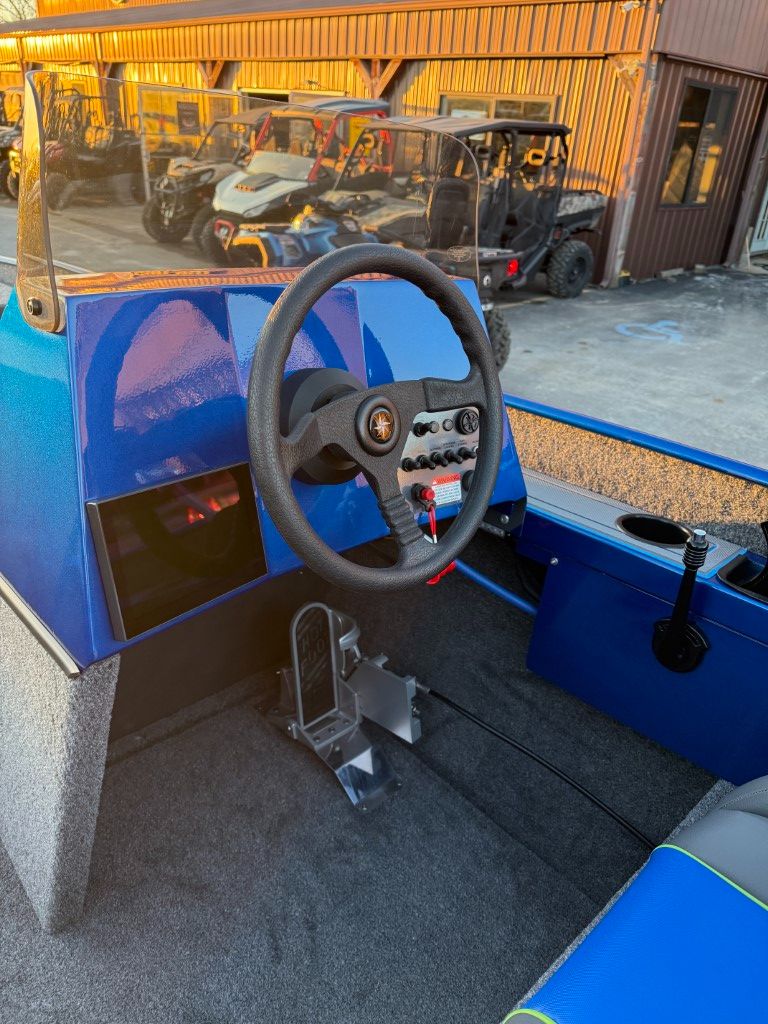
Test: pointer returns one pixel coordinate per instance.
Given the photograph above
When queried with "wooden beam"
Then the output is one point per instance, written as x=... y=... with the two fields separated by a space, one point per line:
x=377 y=75
x=386 y=76
x=103 y=68
x=363 y=68
x=211 y=71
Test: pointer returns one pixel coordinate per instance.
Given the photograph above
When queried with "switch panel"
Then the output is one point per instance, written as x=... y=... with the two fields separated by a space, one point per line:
x=440 y=454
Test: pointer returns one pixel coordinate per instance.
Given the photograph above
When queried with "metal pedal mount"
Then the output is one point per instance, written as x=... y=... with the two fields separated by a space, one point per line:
x=327 y=692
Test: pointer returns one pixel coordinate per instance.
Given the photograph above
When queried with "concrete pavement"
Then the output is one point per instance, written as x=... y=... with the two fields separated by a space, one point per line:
x=684 y=358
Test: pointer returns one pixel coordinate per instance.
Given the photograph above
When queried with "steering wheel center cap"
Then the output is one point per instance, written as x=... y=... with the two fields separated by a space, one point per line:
x=378 y=425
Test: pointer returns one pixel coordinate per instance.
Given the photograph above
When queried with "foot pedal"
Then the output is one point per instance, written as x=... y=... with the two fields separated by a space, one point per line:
x=319 y=708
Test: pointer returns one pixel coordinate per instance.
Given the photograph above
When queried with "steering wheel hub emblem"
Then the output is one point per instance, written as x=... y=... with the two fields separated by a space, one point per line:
x=378 y=425
x=381 y=425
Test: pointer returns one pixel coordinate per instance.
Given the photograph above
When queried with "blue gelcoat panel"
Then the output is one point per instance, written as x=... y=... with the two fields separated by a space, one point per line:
x=150 y=386
x=681 y=946
x=592 y=636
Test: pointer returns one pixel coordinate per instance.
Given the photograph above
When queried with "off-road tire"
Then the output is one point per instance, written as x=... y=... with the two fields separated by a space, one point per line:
x=498 y=331
x=5 y=170
x=199 y=221
x=58 y=190
x=570 y=269
x=152 y=220
x=209 y=244
x=12 y=185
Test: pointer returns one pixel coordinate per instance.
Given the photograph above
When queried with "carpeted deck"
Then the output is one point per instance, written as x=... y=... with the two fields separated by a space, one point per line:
x=232 y=883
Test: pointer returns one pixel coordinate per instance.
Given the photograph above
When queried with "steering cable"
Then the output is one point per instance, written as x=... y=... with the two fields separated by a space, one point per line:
x=521 y=748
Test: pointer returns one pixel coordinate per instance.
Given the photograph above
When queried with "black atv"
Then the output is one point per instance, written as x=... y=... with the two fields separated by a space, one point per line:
x=90 y=151
x=526 y=218
x=11 y=101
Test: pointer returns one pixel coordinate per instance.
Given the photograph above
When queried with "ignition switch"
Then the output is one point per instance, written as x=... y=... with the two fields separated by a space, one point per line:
x=425 y=496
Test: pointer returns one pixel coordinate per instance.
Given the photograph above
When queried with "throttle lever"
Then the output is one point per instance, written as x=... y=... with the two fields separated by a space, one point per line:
x=677 y=643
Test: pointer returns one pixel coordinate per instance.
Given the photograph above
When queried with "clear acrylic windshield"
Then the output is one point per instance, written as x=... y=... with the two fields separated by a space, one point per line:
x=120 y=177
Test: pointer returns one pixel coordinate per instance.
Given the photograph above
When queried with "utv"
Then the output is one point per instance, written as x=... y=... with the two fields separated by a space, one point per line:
x=11 y=102
x=89 y=149
x=240 y=151
x=525 y=219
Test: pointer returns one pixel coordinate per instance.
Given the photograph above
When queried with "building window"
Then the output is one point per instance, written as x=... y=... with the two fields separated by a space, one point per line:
x=516 y=108
x=698 y=144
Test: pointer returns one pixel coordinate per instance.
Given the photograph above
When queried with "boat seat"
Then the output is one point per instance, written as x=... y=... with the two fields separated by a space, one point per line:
x=687 y=942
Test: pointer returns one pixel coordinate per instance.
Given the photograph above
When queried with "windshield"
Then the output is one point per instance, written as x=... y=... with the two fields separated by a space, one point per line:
x=104 y=188
x=280 y=165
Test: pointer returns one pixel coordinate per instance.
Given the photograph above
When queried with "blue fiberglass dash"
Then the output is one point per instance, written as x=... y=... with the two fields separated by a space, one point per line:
x=148 y=387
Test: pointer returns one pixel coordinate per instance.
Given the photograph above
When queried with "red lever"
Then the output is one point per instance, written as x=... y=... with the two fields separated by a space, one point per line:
x=432 y=516
x=445 y=571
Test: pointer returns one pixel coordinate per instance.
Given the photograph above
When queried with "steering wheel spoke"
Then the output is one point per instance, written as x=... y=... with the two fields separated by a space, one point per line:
x=398 y=515
x=440 y=394
x=303 y=443
x=330 y=425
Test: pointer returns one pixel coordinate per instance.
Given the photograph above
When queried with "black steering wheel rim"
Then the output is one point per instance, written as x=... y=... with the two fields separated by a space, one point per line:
x=275 y=458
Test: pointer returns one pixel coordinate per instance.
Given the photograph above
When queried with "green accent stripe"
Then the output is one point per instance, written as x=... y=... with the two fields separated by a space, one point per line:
x=531 y=1013
x=734 y=885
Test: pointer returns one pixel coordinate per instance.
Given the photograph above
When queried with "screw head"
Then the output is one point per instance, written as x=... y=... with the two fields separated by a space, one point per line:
x=34 y=307
x=554 y=561
x=504 y=519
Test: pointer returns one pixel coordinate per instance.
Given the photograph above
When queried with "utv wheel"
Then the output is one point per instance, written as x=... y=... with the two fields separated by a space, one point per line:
x=570 y=269
x=9 y=180
x=5 y=170
x=199 y=221
x=152 y=219
x=209 y=244
x=498 y=332
x=58 y=190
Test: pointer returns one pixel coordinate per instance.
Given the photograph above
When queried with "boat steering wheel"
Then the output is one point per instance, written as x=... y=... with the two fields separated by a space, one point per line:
x=371 y=426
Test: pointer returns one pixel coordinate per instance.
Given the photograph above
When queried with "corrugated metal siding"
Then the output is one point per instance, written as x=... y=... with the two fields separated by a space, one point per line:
x=75 y=46
x=185 y=74
x=729 y=33
x=663 y=238
x=591 y=99
x=559 y=27
x=55 y=8
x=333 y=75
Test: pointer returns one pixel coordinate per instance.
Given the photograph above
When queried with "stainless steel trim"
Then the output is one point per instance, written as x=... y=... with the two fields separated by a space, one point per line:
x=38 y=629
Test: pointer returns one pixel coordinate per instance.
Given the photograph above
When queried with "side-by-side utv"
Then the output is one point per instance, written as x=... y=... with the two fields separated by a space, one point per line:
x=252 y=161
x=526 y=214
x=337 y=686
x=525 y=217
x=91 y=149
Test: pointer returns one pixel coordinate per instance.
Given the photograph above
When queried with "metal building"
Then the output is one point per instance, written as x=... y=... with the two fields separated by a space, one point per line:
x=666 y=98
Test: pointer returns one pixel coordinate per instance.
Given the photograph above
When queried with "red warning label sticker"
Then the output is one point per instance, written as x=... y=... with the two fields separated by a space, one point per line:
x=447 y=489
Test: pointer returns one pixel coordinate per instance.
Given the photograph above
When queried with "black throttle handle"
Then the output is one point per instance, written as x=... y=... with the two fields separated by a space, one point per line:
x=677 y=643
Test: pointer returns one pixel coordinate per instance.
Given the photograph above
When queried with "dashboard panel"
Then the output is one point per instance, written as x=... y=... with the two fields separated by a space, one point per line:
x=159 y=381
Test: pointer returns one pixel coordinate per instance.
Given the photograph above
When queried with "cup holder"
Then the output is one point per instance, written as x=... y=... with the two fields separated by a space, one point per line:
x=654 y=529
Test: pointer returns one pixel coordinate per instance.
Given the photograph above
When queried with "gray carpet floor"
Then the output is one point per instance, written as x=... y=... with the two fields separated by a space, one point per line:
x=232 y=883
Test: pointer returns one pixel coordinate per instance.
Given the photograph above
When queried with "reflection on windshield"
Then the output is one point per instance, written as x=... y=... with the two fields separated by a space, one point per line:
x=145 y=178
